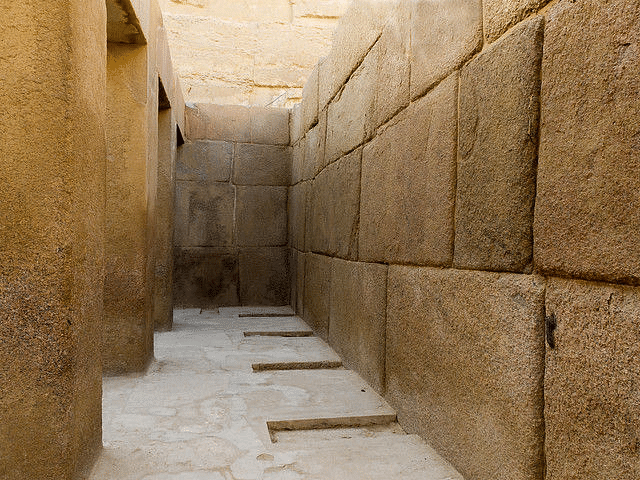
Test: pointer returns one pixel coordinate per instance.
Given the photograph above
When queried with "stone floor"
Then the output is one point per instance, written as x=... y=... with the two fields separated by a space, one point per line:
x=228 y=398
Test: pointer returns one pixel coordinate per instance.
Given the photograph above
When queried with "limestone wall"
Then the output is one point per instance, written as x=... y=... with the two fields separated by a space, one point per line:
x=252 y=52
x=231 y=207
x=463 y=222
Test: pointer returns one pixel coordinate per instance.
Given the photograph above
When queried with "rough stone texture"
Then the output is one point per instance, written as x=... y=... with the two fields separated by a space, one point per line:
x=335 y=208
x=408 y=178
x=205 y=277
x=261 y=216
x=270 y=126
x=465 y=367
x=357 y=330
x=230 y=123
x=587 y=217
x=204 y=214
x=592 y=408
x=52 y=158
x=298 y=278
x=295 y=124
x=297 y=161
x=497 y=147
x=202 y=161
x=315 y=140
x=298 y=201
x=261 y=165
x=499 y=15
x=350 y=114
x=309 y=102
x=444 y=34
x=317 y=293
x=264 y=276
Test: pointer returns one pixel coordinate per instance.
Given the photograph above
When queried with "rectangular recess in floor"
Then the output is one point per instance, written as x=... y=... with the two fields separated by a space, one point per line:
x=319 y=365
x=280 y=333
x=265 y=315
x=276 y=426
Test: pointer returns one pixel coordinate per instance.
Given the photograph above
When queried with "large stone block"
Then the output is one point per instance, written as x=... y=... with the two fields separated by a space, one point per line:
x=314 y=157
x=335 y=208
x=497 y=147
x=357 y=327
x=408 y=179
x=298 y=277
x=205 y=277
x=229 y=123
x=261 y=165
x=270 y=126
x=298 y=201
x=297 y=161
x=309 y=102
x=587 y=217
x=350 y=114
x=444 y=34
x=499 y=15
x=465 y=367
x=295 y=124
x=205 y=161
x=261 y=216
x=592 y=408
x=317 y=293
x=204 y=214
x=264 y=276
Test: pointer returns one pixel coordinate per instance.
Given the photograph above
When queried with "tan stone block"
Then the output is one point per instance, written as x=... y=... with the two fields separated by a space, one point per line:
x=270 y=126
x=261 y=165
x=497 y=147
x=298 y=201
x=317 y=293
x=309 y=102
x=465 y=366
x=444 y=34
x=204 y=214
x=592 y=413
x=229 y=123
x=356 y=33
x=264 y=276
x=335 y=208
x=205 y=277
x=205 y=161
x=408 y=178
x=297 y=161
x=499 y=15
x=261 y=216
x=295 y=124
x=357 y=326
x=350 y=114
x=587 y=218
x=315 y=141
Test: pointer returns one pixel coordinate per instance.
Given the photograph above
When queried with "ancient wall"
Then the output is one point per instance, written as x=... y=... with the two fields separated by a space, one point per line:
x=463 y=222
x=231 y=207
x=252 y=52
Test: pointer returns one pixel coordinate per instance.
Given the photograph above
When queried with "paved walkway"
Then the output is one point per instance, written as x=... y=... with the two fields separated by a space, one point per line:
x=223 y=402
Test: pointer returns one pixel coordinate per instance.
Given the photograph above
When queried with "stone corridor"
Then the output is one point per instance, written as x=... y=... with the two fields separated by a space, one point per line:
x=224 y=400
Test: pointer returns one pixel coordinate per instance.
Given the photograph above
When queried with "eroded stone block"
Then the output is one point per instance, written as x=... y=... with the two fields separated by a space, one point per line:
x=314 y=157
x=357 y=329
x=264 y=276
x=408 y=178
x=297 y=161
x=295 y=124
x=497 y=146
x=204 y=161
x=261 y=216
x=298 y=201
x=262 y=165
x=465 y=366
x=317 y=293
x=309 y=102
x=499 y=15
x=269 y=126
x=229 y=123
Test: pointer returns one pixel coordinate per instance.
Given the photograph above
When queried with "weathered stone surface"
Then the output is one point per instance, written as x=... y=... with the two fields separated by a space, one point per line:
x=335 y=208
x=357 y=329
x=465 y=366
x=205 y=277
x=317 y=293
x=592 y=412
x=444 y=34
x=204 y=214
x=264 y=276
x=297 y=161
x=298 y=278
x=587 y=217
x=350 y=114
x=229 y=123
x=499 y=15
x=356 y=33
x=261 y=165
x=309 y=102
x=497 y=147
x=314 y=157
x=261 y=216
x=205 y=161
x=295 y=124
x=270 y=126
x=298 y=201
x=408 y=178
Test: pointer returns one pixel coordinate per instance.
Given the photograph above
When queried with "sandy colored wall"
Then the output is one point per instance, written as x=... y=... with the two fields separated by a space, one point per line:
x=51 y=236
x=463 y=226
x=250 y=52
x=232 y=180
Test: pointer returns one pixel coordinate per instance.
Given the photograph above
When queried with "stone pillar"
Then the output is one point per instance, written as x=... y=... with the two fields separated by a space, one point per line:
x=52 y=158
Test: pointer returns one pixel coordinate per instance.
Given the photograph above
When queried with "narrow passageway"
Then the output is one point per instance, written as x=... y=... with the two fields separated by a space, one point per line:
x=231 y=395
